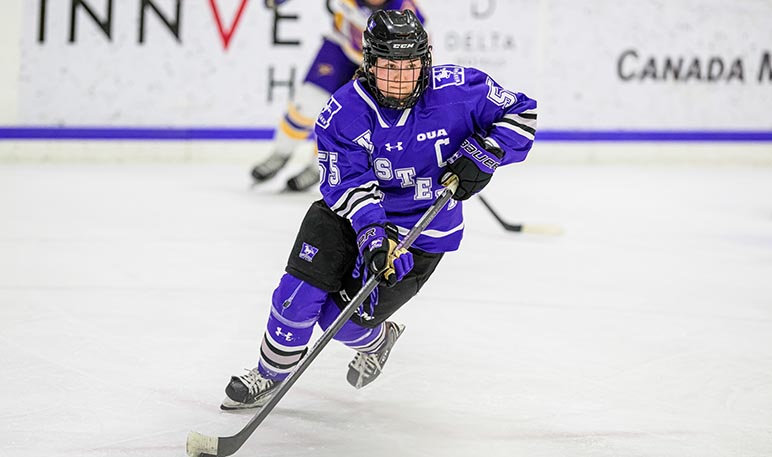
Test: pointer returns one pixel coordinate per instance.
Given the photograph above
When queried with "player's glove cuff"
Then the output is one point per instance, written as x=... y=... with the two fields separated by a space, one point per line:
x=485 y=155
x=377 y=246
x=474 y=164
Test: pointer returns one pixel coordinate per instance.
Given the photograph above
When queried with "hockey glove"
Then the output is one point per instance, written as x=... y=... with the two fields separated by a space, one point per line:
x=377 y=246
x=474 y=165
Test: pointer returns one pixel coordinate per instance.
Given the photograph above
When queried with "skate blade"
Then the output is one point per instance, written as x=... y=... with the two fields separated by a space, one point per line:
x=230 y=405
x=357 y=381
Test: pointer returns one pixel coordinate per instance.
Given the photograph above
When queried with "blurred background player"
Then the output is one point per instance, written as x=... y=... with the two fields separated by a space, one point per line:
x=335 y=63
x=387 y=141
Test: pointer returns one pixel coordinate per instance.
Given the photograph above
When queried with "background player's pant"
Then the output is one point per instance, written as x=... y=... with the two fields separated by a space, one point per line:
x=297 y=123
x=329 y=71
x=295 y=308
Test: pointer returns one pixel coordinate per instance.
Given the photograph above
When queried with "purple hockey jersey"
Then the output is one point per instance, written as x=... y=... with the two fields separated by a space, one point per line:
x=380 y=165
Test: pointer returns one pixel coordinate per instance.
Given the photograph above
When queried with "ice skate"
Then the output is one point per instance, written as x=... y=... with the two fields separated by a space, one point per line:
x=365 y=368
x=305 y=179
x=248 y=391
x=270 y=167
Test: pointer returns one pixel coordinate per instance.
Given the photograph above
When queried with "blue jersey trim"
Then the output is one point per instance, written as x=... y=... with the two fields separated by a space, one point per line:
x=242 y=134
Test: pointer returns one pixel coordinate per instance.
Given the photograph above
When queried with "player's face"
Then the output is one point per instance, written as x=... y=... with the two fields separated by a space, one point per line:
x=375 y=3
x=397 y=78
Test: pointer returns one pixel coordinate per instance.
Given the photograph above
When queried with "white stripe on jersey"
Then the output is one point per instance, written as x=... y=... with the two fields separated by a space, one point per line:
x=433 y=233
x=527 y=118
x=357 y=198
x=403 y=118
x=515 y=128
x=493 y=142
x=369 y=101
x=523 y=123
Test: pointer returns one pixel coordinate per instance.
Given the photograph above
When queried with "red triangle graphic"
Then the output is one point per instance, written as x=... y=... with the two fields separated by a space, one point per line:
x=227 y=34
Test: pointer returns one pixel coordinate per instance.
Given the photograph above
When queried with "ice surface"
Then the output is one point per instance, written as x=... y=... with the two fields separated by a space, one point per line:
x=130 y=293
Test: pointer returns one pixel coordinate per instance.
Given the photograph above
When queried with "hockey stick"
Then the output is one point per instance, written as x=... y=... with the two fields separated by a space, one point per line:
x=538 y=229
x=199 y=445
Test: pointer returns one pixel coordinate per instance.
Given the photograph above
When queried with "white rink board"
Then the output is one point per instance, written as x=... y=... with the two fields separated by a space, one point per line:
x=573 y=57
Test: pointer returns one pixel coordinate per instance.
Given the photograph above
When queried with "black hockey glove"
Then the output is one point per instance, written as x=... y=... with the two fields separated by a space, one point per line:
x=377 y=246
x=474 y=165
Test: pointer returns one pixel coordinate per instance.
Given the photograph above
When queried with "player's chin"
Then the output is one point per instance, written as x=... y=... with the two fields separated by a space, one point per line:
x=398 y=93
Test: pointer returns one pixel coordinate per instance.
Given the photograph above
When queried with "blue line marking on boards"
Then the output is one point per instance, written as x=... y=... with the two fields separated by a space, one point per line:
x=259 y=134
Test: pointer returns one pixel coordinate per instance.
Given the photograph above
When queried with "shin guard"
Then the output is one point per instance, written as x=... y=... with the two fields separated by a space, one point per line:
x=296 y=307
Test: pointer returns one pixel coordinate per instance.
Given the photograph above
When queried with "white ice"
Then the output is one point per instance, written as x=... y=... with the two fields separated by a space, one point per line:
x=129 y=294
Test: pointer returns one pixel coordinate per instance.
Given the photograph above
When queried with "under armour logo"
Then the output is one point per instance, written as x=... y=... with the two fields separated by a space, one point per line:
x=398 y=146
x=287 y=336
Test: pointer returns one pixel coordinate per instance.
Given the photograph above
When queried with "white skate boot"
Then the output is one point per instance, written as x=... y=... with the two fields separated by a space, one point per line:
x=365 y=368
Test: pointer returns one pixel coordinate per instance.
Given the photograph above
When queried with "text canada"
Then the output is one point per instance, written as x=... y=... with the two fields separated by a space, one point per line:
x=634 y=66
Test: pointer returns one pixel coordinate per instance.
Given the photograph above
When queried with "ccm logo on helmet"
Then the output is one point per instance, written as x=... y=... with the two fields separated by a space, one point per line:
x=402 y=45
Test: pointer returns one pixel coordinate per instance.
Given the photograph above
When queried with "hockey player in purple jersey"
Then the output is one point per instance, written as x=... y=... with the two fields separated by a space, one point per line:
x=386 y=141
x=334 y=64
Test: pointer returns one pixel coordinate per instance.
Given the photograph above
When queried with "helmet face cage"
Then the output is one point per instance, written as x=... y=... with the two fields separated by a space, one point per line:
x=399 y=37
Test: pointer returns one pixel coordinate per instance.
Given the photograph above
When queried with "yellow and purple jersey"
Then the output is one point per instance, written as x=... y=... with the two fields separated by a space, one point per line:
x=350 y=19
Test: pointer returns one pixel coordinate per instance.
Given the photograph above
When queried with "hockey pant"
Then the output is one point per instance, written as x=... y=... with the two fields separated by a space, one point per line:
x=318 y=285
x=296 y=307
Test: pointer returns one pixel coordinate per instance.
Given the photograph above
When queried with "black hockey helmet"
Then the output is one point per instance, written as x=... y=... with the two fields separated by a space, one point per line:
x=396 y=35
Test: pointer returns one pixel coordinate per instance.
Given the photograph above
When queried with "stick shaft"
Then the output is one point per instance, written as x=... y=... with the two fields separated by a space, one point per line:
x=507 y=226
x=536 y=229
